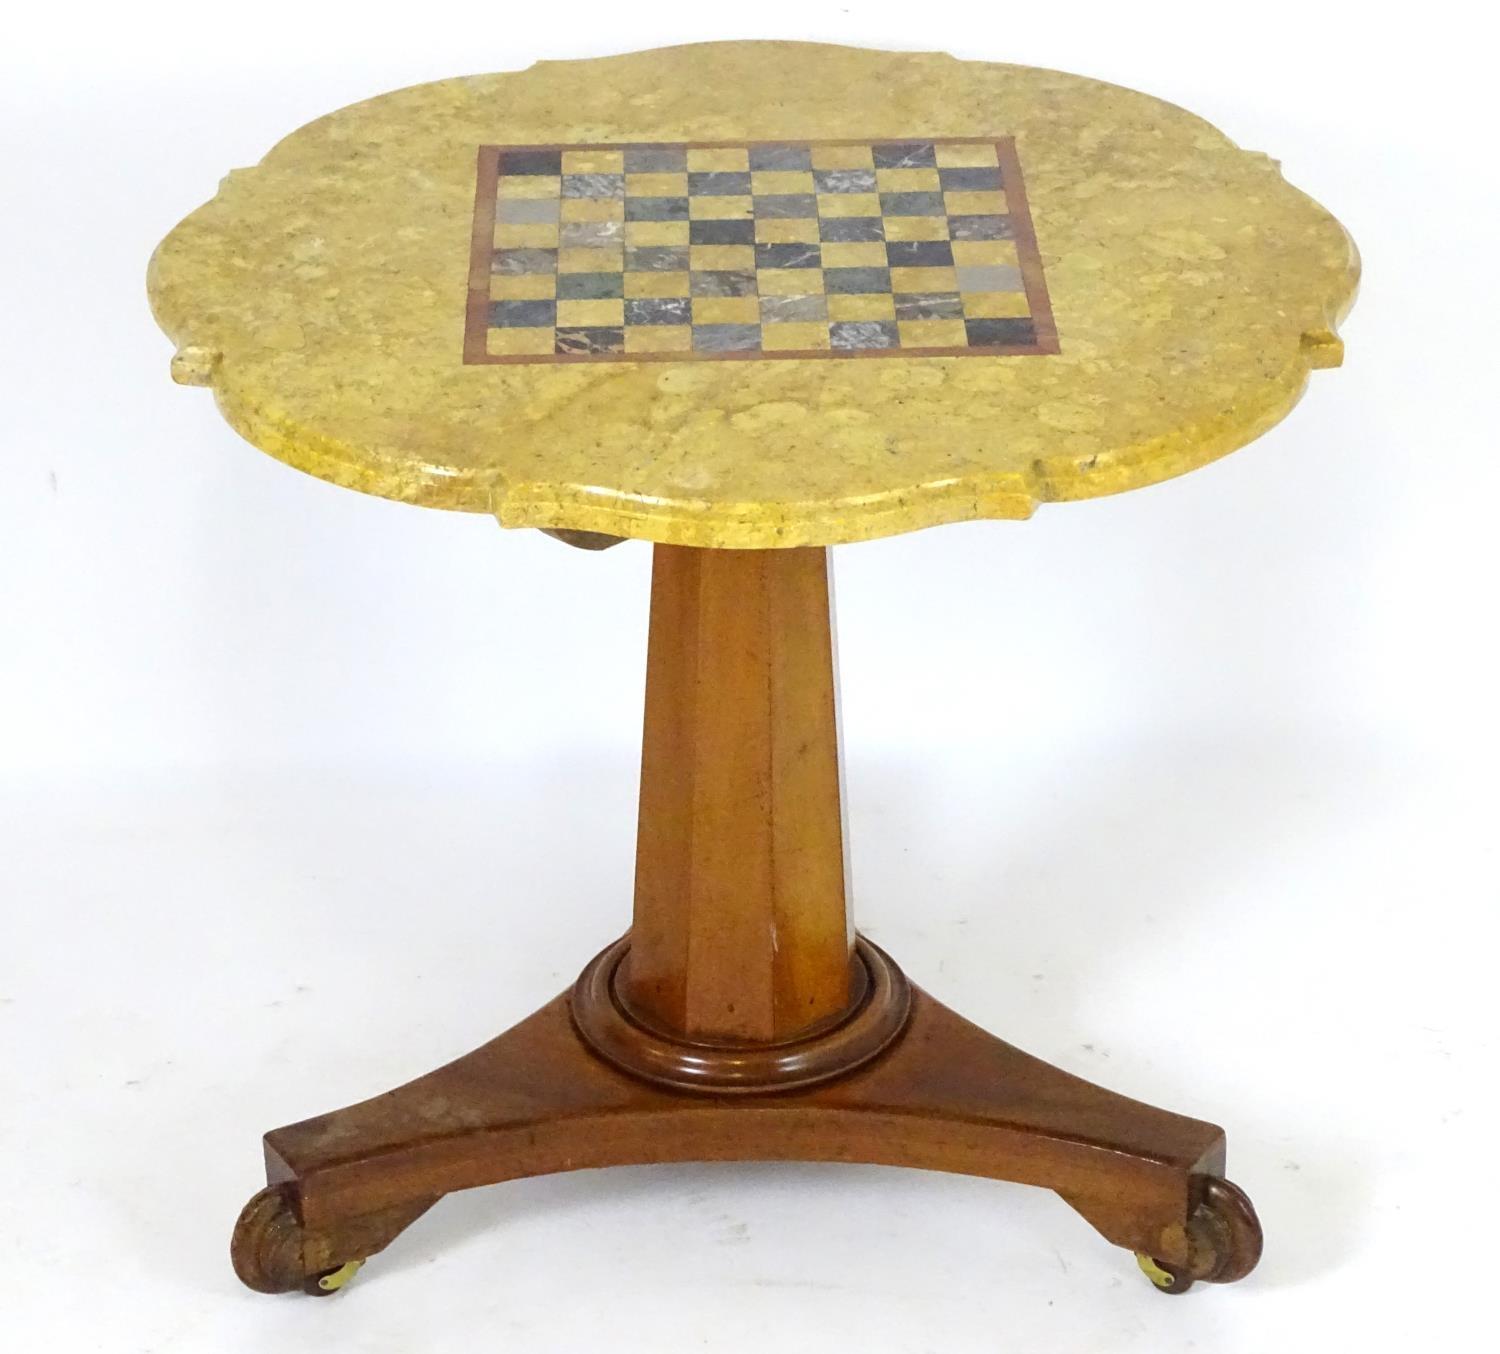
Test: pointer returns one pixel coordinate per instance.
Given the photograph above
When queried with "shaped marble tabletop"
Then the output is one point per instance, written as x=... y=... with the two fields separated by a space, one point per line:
x=754 y=294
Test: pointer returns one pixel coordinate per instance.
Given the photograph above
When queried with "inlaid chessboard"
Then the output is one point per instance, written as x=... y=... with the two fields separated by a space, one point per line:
x=760 y=250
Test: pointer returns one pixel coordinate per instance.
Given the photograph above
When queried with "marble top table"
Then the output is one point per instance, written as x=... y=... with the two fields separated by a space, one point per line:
x=746 y=301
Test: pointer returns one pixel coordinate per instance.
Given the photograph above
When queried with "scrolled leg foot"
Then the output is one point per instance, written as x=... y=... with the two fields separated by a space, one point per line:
x=1224 y=1242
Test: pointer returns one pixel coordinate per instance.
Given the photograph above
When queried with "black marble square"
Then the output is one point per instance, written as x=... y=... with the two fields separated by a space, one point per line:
x=913 y=204
x=785 y=206
x=659 y=310
x=780 y=157
x=718 y=182
x=857 y=281
x=593 y=185
x=852 y=229
x=589 y=339
x=1001 y=333
x=788 y=256
x=655 y=160
x=969 y=180
x=656 y=258
x=980 y=228
x=930 y=305
x=906 y=155
x=522 y=314
x=919 y=253
x=858 y=334
x=656 y=209
x=721 y=232
x=590 y=286
x=530 y=162
x=722 y=282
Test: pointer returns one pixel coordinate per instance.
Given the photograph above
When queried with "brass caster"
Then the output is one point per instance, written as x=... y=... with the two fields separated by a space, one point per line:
x=1224 y=1241
x=328 y=1283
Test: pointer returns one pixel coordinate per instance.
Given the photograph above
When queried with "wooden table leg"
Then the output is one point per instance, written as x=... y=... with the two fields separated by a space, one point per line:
x=741 y=1019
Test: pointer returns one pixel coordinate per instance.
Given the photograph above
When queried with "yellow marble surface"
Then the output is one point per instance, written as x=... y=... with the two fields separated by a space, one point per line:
x=321 y=295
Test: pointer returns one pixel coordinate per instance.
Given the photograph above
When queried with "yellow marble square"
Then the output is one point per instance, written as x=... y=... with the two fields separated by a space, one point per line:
x=656 y=185
x=716 y=207
x=789 y=230
x=916 y=228
x=657 y=284
x=519 y=342
x=593 y=162
x=842 y=157
x=726 y=310
x=871 y=307
x=714 y=257
x=907 y=181
x=995 y=305
x=609 y=311
x=610 y=259
x=974 y=204
x=848 y=204
x=933 y=334
x=799 y=335
x=656 y=232
x=523 y=286
x=592 y=209
x=967 y=155
x=708 y=158
x=864 y=254
x=658 y=338
x=790 y=281
x=526 y=235
x=971 y=252
x=528 y=185
x=766 y=182
x=923 y=279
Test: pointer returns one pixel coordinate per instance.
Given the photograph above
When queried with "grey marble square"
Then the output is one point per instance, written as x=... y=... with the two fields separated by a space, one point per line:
x=969 y=180
x=721 y=232
x=990 y=277
x=517 y=211
x=1000 y=333
x=590 y=286
x=593 y=185
x=852 y=229
x=523 y=314
x=930 y=305
x=780 y=157
x=722 y=282
x=655 y=160
x=656 y=258
x=913 y=204
x=857 y=281
x=510 y=262
x=792 y=309
x=844 y=180
x=980 y=228
x=919 y=254
x=656 y=209
x=788 y=255
x=906 y=155
x=724 y=338
x=591 y=234
x=785 y=206
x=718 y=182
x=856 y=334
x=659 y=310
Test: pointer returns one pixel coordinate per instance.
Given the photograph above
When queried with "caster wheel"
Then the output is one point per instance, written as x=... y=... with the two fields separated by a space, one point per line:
x=269 y=1245
x=1224 y=1241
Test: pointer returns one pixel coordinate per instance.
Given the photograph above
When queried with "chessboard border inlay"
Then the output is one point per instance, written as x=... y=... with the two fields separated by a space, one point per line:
x=476 y=317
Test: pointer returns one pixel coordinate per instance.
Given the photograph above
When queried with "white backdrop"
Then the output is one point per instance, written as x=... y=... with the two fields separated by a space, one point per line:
x=302 y=792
